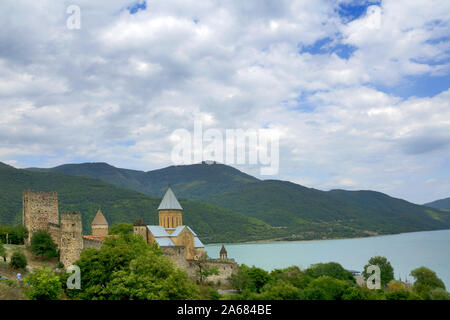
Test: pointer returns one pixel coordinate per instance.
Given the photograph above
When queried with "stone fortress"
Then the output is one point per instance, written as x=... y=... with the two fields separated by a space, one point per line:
x=178 y=242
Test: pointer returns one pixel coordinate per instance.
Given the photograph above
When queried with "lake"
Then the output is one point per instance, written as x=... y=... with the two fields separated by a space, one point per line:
x=405 y=251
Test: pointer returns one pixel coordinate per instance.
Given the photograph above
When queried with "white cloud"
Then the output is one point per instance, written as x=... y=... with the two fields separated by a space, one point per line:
x=116 y=89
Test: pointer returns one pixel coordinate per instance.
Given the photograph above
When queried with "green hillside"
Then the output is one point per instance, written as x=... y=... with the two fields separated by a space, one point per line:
x=439 y=204
x=338 y=212
x=86 y=195
x=198 y=181
x=295 y=211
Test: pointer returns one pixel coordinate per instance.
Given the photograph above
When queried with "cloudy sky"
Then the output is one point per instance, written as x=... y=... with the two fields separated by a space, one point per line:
x=358 y=91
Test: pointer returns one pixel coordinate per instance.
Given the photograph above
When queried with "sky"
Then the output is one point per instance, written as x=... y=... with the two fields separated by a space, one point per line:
x=357 y=91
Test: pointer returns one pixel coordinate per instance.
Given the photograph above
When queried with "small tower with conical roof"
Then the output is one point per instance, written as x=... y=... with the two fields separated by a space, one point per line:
x=223 y=253
x=100 y=226
x=170 y=211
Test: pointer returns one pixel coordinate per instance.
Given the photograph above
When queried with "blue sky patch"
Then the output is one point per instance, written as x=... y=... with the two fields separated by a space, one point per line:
x=136 y=6
x=418 y=86
x=326 y=46
x=352 y=11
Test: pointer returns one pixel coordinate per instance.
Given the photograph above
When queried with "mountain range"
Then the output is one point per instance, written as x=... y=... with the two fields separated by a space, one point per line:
x=289 y=210
x=439 y=204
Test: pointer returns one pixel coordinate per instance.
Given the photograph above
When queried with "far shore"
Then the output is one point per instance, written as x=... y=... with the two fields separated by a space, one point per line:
x=278 y=240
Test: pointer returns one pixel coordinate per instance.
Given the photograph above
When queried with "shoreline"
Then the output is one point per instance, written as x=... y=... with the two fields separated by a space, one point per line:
x=275 y=239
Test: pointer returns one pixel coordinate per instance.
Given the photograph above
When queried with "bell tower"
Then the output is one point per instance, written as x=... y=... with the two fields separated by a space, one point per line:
x=170 y=211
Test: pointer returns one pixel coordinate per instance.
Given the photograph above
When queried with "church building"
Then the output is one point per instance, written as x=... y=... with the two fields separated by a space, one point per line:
x=171 y=233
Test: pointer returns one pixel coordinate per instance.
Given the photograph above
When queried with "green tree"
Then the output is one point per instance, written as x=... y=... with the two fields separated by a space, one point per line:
x=326 y=288
x=425 y=281
x=292 y=275
x=280 y=290
x=121 y=228
x=331 y=269
x=3 y=251
x=386 y=270
x=439 y=294
x=42 y=245
x=16 y=234
x=249 y=279
x=127 y=267
x=43 y=284
x=203 y=269
x=151 y=277
x=18 y=260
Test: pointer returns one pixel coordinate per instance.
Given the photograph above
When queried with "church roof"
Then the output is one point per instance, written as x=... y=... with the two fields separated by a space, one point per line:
x=158 y=231
x=99 y=219
x=169 y=201
x=198 y=243
x=164 y=242
x=163 y=238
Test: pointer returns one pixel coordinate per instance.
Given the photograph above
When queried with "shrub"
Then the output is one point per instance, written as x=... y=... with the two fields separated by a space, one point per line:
x=18 y=260
x=42 y=245
x=43 y=284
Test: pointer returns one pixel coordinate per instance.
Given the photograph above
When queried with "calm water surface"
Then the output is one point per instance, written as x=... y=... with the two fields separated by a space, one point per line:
x=405 y=252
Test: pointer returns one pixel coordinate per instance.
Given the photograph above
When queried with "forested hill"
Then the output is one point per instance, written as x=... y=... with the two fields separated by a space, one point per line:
x=439 y=204
x=302 y=210
x=87 y=195
x=297 y=211
x=197 y=181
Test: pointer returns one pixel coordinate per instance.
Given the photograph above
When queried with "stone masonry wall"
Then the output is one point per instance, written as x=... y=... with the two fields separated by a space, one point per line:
x=226 y=269
x=90 y=243
x=55 y=232
x=39 y=209
x=71 y=238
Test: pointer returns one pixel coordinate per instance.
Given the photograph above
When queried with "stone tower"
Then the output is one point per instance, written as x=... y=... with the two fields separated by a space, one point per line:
x=223 y=253
x=170 y=211
x=139 y=227
x=71 y=238
x=99 y=225
x=38 y=210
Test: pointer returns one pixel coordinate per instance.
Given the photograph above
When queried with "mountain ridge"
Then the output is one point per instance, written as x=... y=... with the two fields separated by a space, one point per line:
x=302 y=212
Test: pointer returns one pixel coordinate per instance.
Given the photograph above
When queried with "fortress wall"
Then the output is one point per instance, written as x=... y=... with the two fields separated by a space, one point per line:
x=226 y=269
x=90 y=243
x=71 y=238
x=177 y=256
x=55 y=233
x=38 y=209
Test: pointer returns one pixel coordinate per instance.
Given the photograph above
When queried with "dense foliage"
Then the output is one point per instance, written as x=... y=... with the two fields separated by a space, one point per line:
x=16 y=234
x=43 y=284
x=121 y=228
x=128 y=268
x=3 y=253
x=426 y=283
x=18 y=260
x=386 y=270
x=329 y=281
x=42 y=245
